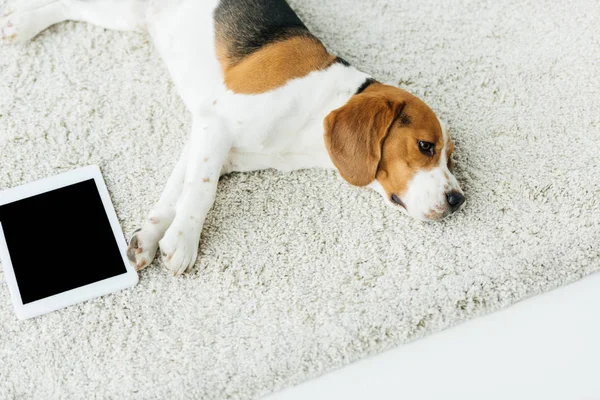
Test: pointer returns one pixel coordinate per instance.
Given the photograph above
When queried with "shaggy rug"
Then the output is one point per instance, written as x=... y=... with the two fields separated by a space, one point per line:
x=300 y=273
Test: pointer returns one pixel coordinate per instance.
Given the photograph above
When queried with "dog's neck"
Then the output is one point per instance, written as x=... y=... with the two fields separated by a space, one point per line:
x=288 y=130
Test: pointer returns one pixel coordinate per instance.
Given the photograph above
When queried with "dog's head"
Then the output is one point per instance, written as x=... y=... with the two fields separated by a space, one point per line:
x=388 y=139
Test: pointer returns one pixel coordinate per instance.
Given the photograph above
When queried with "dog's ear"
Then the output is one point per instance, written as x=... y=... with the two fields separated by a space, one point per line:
x=354 y=135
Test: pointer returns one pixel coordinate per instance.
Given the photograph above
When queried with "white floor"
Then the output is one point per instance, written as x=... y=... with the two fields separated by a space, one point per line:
x=547 y=347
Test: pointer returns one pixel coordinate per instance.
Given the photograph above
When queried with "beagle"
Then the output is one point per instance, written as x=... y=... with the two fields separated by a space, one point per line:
x=264 y=93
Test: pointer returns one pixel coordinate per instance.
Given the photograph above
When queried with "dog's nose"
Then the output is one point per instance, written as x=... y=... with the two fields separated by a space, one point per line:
x=455 y=199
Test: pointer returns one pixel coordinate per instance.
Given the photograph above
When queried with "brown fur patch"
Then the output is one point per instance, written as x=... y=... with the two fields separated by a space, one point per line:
x=401 y=158
x=273 y=65
x=367 y=139
x=354 y=134
x=449 y=152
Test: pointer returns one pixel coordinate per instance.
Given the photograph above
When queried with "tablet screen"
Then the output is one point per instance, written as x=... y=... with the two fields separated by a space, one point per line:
x=60 y=240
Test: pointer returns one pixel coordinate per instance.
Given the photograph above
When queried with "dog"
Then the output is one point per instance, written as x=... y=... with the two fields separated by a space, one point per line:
x=264 y=93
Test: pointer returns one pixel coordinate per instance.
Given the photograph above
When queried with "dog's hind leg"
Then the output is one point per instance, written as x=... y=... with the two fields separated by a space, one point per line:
x=24 y=19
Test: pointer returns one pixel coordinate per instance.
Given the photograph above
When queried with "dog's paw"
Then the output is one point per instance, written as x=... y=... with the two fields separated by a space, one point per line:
x=142 y=248
x=8 y=26
x=179 y=249
x=22 y=20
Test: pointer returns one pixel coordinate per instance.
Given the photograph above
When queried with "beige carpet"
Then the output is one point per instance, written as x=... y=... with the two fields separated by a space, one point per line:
x=300 y=273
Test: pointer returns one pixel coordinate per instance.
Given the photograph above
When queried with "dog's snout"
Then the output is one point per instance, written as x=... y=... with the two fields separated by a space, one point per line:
x=455 y=199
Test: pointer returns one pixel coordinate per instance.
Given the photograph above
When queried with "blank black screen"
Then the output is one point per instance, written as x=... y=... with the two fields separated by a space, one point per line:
x=60 y=240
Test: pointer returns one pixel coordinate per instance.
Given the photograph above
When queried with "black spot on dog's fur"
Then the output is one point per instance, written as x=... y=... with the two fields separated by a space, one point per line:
x=404 y=119
x=340 y=60
x=365 y=85
x=245 y=26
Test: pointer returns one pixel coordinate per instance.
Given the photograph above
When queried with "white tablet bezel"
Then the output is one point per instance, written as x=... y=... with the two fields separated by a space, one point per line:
x=87 y=292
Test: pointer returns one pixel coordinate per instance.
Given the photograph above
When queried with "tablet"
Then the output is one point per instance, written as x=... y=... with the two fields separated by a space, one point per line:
x=61 y=243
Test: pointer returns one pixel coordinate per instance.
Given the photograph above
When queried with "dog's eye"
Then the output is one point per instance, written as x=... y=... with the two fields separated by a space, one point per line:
x=426 y=148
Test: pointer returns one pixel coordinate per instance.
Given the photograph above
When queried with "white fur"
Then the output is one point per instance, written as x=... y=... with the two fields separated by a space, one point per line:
x=281 y=129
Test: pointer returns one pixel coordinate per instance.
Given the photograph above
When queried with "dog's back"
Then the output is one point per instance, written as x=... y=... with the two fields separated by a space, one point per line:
x=262 y=44
x=248 y=25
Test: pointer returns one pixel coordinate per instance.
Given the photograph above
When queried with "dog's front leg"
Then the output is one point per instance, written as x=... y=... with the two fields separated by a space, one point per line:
x=144 y=242
x=208 y=148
